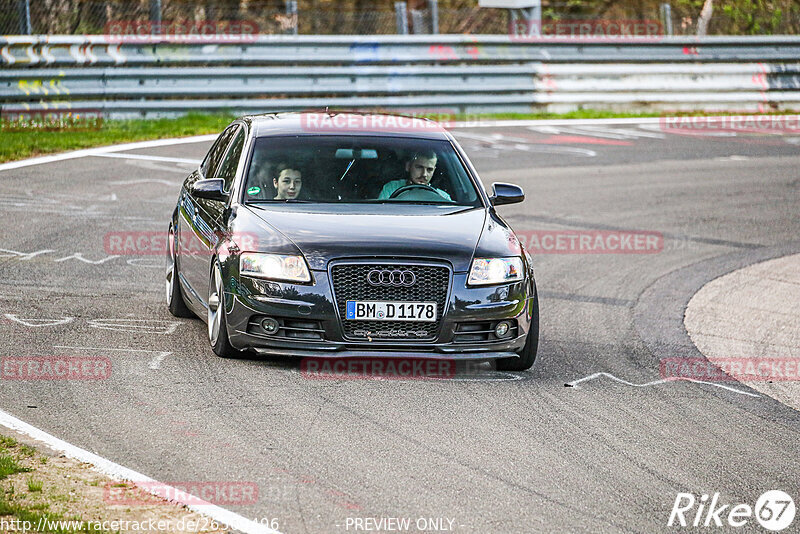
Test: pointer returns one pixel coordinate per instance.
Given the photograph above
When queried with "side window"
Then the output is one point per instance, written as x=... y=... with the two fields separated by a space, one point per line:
x=227 y=170
x=214 y=155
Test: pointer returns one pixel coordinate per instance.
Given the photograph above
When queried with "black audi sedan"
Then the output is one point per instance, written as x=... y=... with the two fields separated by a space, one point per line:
x=350 y=235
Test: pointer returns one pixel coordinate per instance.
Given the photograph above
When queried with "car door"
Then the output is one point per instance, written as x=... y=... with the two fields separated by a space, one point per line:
x=227 y=172
x=197 y=236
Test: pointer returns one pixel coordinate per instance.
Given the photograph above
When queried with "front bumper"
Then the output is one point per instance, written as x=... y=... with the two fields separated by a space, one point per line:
x=250 y=299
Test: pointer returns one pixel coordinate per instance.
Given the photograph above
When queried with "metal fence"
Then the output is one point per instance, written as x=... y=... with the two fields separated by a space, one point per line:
x=458 y=74
x=379 y=17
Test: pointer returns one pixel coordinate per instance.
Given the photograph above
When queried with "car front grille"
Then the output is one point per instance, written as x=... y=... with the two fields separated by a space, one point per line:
x=350 y=283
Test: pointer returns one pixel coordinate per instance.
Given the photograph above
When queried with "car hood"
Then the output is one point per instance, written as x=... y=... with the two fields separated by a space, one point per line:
x=431 y=233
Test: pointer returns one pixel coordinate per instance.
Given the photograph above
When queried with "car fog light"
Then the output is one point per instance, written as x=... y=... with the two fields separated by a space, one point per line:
x=502 y=328
x=270 y=325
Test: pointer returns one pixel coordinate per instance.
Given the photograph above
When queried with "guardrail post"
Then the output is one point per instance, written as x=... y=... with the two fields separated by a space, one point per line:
x=666 y=18
x=417 y=21
x=401 y=17
x=292 y=12
x=534 y=18
x=24 y=11
x=433 y=6
x=526 y=20
x=155 y=16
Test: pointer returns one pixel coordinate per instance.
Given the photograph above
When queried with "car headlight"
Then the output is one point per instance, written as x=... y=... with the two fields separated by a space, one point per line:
x=274 y=267
x=487 y=271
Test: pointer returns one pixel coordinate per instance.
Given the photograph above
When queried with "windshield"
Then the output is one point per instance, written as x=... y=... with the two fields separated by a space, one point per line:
x=362 y=169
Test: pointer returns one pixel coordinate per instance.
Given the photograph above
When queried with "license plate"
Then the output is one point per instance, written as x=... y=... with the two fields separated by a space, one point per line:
x=378 y=310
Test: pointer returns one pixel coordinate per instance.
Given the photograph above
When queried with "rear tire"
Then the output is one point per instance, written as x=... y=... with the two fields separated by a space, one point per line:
x=527 y=356
x=175 y=303
x=217 y=325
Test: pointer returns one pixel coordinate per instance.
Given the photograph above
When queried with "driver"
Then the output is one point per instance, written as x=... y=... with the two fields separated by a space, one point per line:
x=420 y=168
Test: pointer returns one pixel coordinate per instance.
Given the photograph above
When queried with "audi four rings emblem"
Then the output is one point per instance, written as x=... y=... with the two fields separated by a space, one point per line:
x=388 y=277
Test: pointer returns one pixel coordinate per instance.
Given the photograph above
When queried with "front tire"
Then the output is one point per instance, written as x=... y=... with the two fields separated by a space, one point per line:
x=175 y=303
x=217 y=325
x=527 y=356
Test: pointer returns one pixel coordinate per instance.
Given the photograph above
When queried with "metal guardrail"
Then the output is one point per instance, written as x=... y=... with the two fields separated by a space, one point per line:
x=278 y=49
x=460 y=73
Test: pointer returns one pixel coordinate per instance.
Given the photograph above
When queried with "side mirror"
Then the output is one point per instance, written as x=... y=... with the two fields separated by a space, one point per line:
x=211 y=189
x=506 y=194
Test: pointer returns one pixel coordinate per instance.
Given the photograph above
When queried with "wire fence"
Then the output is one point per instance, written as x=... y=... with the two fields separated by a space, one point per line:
x=75 y=17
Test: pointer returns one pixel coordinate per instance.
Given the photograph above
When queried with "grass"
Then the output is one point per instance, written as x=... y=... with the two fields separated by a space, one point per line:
x=15 y=504
x=33 y=515
x=9 y=466
x=29 y=143
x=33 y=142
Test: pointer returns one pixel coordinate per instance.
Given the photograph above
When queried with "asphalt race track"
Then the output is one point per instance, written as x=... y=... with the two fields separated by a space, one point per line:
x=484 y=452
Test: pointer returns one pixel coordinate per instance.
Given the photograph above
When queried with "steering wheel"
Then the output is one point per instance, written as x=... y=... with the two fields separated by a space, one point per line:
x=423 y=188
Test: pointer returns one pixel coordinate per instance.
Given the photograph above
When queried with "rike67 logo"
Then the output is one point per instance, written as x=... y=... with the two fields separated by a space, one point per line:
x=774 y=511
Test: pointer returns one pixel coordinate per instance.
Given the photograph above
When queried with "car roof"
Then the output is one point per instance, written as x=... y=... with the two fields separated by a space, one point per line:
x=345 y=123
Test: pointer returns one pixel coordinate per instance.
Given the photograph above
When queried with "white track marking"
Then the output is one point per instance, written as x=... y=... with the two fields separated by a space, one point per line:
x=678 y=131
x=118 y=472
x=583 y=131
x=488 y=123
x=79 y=256
x=180 y=168
x=23 y=256
x=502 y=142
x=640 y=132
x=556 y=149
x=734 y=157
x=599 y=131
x=149 y=263
x=147 y=326
x=36 y=323
x=105 y=150
x=151 y=158
x=575 y=383
x=144 y=181
x=155 y=362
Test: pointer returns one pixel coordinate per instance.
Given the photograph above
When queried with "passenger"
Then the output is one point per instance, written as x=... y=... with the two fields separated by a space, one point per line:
x=288 y=182
x=420 y=168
